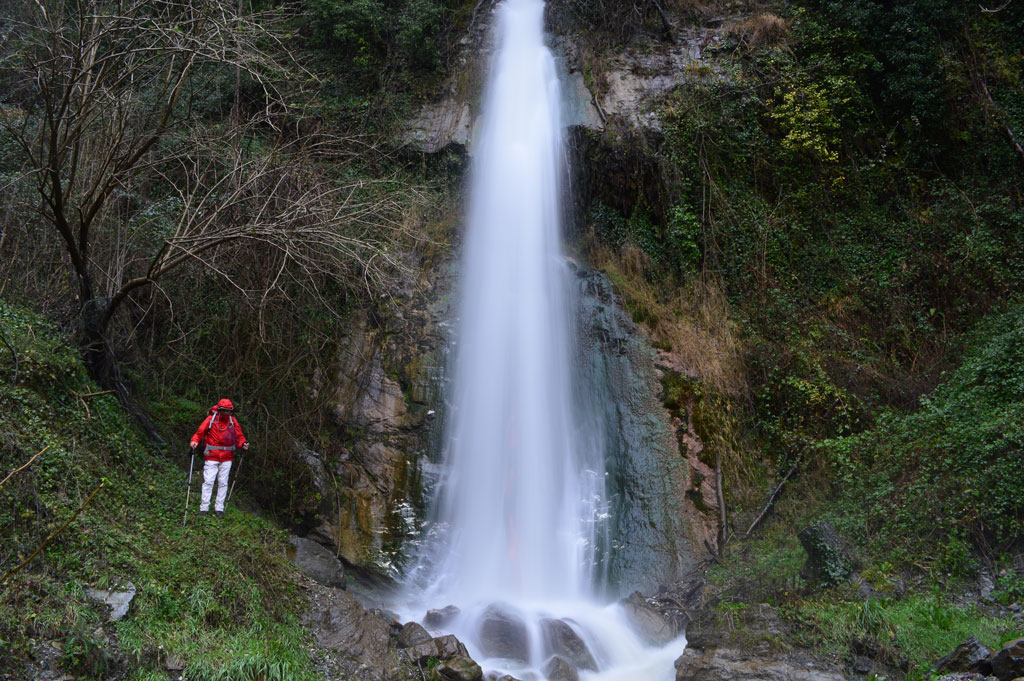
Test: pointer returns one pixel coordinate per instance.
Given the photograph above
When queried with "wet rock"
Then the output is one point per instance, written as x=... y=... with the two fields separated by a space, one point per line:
x=413 y=634
x=459 y=668
x=118 y=600
x=1008 y=663
x=657 y=540
x=561 y=639
x=440 y=618
x=503 y=634
x=828 y=559
x=560 y=669
x=970 y=656
x=645 y=619
x=443 y=648
x=359 y=639
x=316 y=562
x=448 y=646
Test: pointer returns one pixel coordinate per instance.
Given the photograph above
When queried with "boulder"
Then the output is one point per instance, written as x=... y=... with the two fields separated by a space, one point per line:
x=1008 y=663
x=413 y=634
x=440 y=618
x=560 y=639
x=448 y=647
x=503 y=634
x=316 y=562
x=970 y=656
x=560 y=669
x=459 y=668
x=443 y=648
x=828 y=559
x=118 y=600
x=645 y=619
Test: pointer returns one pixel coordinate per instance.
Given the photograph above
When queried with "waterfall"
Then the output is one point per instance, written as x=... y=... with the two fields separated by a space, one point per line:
x=521 y=503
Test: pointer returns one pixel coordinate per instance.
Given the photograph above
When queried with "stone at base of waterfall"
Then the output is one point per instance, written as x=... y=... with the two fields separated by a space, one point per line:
x=459 y=668
x=494 y=676
x=646 y=621
x=440 y=618
x=561 y=639
x=119 y=601
x=560 y=669
x=729 y=664
x=413 y=634
x=963 y=676
x=1008 y=663
x=503 y=634
x=970 y=656
x=316 y=562
x=443 y=648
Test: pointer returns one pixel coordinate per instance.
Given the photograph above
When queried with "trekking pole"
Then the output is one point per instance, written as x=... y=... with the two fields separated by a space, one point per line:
x=235 y=479
x=188 y=495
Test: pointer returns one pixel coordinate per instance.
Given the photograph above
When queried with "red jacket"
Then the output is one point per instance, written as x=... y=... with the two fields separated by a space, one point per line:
x=222 y=438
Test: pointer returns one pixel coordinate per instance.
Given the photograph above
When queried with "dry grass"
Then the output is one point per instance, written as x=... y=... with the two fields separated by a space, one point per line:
x=692 y=322
x=761 y=30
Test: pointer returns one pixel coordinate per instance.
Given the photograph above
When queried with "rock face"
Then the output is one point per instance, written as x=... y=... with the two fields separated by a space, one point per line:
x=828 y=558
x=657 y=542
x=740 y=647
x=316 y=562
x=734 y=664
x=358 y=641
x=384 y=392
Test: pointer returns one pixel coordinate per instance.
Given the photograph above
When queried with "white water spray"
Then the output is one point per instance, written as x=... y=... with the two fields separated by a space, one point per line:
x=522 y=498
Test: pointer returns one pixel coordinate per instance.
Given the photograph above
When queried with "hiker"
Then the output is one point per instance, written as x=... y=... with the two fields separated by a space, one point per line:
x=219 y=433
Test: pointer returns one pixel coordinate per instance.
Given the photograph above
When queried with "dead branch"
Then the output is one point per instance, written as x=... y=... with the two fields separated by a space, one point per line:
x=772 y=498
x=993 y=109
x=53 y=535
x=26 y=465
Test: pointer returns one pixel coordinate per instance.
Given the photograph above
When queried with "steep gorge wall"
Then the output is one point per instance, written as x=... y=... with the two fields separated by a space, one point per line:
x=387 y=389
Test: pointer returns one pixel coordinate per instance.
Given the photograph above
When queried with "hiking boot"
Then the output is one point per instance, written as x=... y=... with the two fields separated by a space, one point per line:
x=202 y=513
x=219 y=514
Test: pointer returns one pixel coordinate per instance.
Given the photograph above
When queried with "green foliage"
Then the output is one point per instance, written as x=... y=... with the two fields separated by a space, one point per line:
x=914 y=631
x=376 y=34
x=951 y=472
x=210 y=592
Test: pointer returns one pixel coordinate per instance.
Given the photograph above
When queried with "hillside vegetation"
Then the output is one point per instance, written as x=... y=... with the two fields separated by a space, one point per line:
x=829 y=226
x=214 y=594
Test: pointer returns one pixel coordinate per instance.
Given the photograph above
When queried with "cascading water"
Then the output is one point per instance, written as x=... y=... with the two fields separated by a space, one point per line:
x=521 y=500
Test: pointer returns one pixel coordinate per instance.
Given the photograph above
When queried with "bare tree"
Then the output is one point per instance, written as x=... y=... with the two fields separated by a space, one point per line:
x=109 y=103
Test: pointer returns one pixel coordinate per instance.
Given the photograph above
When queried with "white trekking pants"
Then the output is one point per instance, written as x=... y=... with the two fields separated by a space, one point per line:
x=215 y=470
